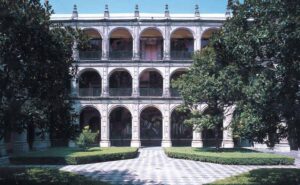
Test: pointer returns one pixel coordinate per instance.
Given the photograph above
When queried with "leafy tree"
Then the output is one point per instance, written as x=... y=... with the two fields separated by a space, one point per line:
x=35 y=69
x=253 y=62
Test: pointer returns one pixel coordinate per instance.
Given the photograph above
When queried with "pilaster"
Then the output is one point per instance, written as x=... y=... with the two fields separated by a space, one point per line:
x=136 y=42
x=135 y=82
x=166 y=141
x=167 y=42
x=227 y=131
x=20 y=142
x=166 y=82
x=105 y=142
x=197 y=138
x=136 y=140
x=105 y=88
x=105 y=43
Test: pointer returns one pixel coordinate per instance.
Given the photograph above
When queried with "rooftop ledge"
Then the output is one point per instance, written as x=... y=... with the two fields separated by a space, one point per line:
x=144 y=16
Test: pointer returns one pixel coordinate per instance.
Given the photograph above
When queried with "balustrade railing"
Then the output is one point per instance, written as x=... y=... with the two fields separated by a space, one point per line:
x=151 y=91
x=174 y=92
x=153 y=57
x=96 y=91
x=90 y=55
x=120 y=91
x=120 y=55
x=181 y=55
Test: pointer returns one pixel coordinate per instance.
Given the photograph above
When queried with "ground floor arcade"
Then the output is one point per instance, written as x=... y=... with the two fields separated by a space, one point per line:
x=142 y=124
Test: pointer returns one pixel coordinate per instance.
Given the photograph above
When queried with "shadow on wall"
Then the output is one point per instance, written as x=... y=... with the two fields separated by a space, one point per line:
x=115 y=177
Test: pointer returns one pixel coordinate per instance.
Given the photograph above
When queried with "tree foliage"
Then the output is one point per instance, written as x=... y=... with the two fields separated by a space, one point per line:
x=253 y=62
x=35 y=69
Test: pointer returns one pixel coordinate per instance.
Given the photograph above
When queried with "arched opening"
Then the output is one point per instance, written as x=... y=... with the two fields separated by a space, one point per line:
x=174 y=92
x=90 y=117
x=181 y=134
x=206 y=36
x=151 y=83
x=151 y=127
x=89 y=84
x=120 y=83
x=120 y=45
x=212 y=137
x=91 y=48
x=120 y=127
x=182 y=45
x=151 y=45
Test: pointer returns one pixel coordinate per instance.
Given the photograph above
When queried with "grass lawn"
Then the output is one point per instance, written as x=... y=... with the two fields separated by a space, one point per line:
x=65 y=155
x=264 y=176
x=228 y=156
x=42 y=176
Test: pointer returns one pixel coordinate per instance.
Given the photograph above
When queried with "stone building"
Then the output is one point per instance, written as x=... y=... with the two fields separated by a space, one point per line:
x=123 y=84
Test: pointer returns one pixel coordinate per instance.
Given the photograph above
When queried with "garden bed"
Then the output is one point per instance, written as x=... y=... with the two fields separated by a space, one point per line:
x=62 y=156
x=228 y=156
x=42 y=176
x=264 y=176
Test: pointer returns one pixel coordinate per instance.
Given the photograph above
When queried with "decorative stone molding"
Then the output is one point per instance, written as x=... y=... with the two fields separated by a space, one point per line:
x=227 y=131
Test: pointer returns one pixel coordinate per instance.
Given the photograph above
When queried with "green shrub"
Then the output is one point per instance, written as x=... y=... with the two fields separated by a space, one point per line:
x=44 y=176
x=61 y=156
x=87 y=137
x=264 y=176
x=229 y=156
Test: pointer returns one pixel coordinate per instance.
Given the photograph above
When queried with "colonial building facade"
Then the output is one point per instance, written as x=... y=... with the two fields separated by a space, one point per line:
x=123 y=84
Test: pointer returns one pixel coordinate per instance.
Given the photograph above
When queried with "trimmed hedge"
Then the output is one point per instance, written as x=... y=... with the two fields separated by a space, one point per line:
x=42 y=176
x=62 y=156
x=228 y=156
x=279 y=176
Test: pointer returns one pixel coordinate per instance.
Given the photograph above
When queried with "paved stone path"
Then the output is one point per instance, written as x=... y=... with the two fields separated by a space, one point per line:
x=154 y=167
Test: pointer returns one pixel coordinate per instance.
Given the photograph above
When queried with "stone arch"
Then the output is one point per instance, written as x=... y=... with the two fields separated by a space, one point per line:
x=94 y=29
x=119 y=69
x=154 y=28
x=212 y=137
x=151 y=122
x=206 y=35
x=89 y=82
x=120 y=82
x=120 y=44
x=181 y=134
x=184 y=28
x=80 y=72
x=120 y=125
x=151 y=82
x=182 y=44
x=93 y=48
x=173 y=76
x=91 y=116
x=151 y=44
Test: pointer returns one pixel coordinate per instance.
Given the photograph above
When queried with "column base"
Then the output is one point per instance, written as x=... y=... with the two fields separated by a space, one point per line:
x=20 y=146
x=71 y=144
x=3 y=150
x=197 y=144
x=41 y=144
x=166 y=143
x=260 y=146
x=135 y=143
x=227 y=144
x=104 y=144
x=282 y=147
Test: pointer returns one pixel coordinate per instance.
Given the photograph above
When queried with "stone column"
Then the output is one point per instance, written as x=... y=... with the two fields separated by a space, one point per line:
x=20 y=143
x=167 y=47
x=74 y=88
x=197 y=39
x=105 y=142
x=227 y=131
x=136 y=43
x=166 y=140
x=2 y=148
x=135 y=82
x=41 y=142
x=197 y=138
x=105 y=88
x=105 y=44
x=135 y=140
x=75 y=53
x=166 y=82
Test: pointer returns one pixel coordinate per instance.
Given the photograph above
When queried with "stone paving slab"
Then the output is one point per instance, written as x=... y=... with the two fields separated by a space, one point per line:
x=154 y=167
